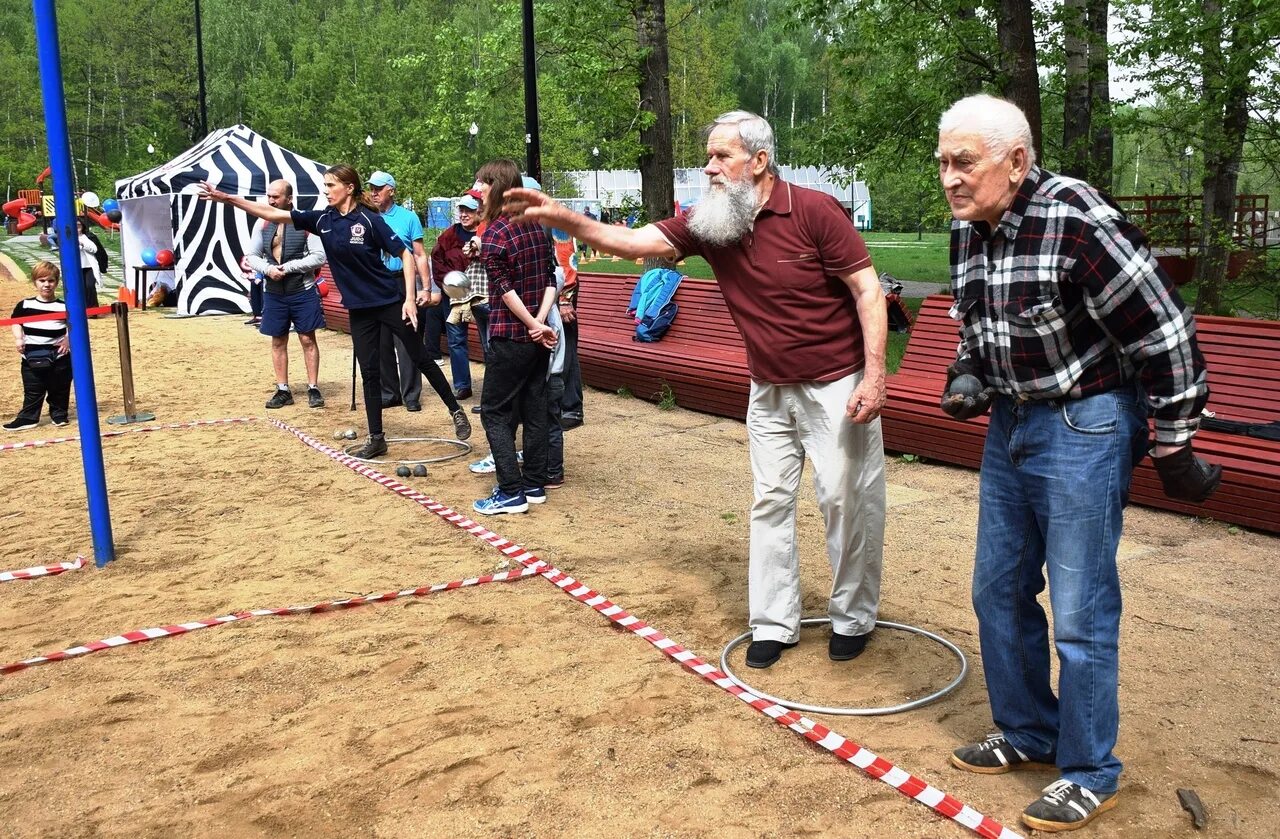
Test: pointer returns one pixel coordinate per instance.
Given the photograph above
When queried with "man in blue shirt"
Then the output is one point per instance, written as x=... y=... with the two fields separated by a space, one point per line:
x=401 y=381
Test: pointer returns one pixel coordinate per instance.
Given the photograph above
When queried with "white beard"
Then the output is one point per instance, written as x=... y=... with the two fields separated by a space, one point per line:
x=725 y=214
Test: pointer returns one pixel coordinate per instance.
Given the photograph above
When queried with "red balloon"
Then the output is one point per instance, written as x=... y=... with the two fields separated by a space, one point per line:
x=164 y=258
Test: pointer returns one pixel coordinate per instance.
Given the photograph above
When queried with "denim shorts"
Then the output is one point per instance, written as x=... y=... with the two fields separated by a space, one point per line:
x=301 y=311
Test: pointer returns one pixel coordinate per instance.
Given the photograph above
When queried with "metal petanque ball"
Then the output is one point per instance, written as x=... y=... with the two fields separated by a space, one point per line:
x=965 y=385
x=350 y=434
x=419 y=471
x=402 y=472
x=340 y=434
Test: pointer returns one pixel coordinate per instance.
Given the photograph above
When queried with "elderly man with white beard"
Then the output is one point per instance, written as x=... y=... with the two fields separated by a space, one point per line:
x=800 y=286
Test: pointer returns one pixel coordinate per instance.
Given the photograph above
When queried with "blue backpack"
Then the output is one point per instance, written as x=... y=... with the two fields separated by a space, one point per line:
x=652 y=305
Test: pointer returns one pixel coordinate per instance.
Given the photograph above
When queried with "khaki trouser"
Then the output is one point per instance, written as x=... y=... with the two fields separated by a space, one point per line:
x=784 y=424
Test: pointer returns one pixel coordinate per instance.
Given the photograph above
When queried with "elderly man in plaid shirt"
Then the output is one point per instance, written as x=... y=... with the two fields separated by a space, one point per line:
x=1074 y=336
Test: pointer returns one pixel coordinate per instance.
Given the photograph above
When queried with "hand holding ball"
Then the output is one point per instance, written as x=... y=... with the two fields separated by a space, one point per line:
x=965 y=396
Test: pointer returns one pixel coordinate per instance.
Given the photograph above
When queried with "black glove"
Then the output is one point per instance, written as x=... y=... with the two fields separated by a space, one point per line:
x=965 y=396
x=1187 y=477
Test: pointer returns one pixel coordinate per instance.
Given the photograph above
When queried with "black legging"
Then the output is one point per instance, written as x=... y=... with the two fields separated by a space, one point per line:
x=367 y=326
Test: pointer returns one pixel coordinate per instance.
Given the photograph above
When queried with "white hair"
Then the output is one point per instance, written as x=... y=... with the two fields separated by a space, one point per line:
x=999 y=122
x=754 y=131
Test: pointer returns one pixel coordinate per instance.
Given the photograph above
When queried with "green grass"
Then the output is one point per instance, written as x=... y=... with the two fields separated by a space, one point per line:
x=899 y=254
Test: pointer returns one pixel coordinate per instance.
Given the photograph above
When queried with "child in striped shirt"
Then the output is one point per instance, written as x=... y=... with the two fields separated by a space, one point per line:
x=44 y=348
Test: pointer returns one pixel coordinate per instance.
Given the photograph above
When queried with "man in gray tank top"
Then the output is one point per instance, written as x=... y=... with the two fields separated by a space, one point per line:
x=288 y=260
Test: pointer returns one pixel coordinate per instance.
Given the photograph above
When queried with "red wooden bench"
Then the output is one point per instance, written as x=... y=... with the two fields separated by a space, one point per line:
x=701 y=358
x=335 y=314
x=1243 y=358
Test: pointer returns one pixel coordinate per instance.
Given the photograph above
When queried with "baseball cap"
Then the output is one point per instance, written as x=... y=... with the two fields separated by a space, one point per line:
x=381 y=179
x=469 y=202
x=529 y=183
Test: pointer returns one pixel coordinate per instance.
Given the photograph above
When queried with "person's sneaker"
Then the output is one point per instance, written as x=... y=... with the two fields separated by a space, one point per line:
x=442 y=363
x=20 y=425
x=373 y=447
x=475 y=409
x=314 y=398
x=413 y=407
x=569 y=422
x=846 y=647
x=501 y=502
x=461 y=425
x=280 y=398
x=487 y=466
x=993 y=756
x=62 y=422
x=761 y=654
x=462 y=393
x=554 y=483
x=1065 y=805
x=535 y=495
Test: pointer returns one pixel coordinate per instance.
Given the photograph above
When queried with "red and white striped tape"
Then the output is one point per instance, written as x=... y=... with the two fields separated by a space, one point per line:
x=98 y=310
x=43 y=570
x=35 y=444
x=139 y=635
x=843 y=748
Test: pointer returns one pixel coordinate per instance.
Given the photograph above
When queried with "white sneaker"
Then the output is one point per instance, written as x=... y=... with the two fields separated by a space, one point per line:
x=488 y=467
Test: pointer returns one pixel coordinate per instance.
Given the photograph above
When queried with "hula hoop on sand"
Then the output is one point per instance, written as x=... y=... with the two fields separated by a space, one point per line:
x=853 y=712
x=464 y=449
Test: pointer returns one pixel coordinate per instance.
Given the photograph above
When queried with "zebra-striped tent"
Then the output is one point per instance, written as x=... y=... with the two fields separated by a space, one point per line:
x=161 y=210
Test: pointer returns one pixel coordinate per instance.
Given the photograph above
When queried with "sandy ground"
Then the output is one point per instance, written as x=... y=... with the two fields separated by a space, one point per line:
x=509 y=709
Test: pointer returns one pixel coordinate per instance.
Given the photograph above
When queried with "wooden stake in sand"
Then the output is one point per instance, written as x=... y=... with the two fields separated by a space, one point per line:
x=131 y=415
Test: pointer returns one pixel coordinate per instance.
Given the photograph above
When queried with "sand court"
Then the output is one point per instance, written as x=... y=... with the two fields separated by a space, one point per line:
x=509 y=709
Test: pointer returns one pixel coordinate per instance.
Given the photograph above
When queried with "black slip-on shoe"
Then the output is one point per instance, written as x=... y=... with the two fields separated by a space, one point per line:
x=761 y=654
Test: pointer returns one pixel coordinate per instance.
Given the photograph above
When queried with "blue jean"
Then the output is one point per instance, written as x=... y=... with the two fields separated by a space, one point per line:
x=1054 y=483
x=459 y=363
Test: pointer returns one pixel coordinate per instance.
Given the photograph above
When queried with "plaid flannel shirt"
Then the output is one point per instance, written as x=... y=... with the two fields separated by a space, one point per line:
x=1064 y=300
x=519 y=257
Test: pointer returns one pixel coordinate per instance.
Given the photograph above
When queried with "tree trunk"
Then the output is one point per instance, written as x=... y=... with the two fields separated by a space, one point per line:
x=1101 y=141
x=1076 y=98
x=1225 y=90
x=1022 y=83
x=657 y=164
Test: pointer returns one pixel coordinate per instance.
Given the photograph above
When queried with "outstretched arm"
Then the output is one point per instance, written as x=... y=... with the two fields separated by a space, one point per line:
x=263 y=211
x=532 y=206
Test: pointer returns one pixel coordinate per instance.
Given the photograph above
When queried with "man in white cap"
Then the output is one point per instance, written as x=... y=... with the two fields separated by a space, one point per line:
x=456 y=248
x=401 y=383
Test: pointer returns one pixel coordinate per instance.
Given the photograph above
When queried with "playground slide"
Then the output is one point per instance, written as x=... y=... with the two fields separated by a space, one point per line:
x=17 y=209
x=100 y=219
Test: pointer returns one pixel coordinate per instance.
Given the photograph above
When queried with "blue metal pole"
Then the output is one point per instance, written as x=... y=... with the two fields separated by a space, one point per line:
x=55 y=119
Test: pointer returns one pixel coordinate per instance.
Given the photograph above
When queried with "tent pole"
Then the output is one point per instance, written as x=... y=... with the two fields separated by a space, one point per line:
x=55 y=118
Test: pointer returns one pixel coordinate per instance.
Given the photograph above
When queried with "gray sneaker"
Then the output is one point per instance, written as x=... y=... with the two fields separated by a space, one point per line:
x=461 y=425
x=314 y=398
x=1065 y=805
x=993 y=756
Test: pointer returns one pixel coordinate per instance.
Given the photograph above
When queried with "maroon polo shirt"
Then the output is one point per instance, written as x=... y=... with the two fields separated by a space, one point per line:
x=782 y=285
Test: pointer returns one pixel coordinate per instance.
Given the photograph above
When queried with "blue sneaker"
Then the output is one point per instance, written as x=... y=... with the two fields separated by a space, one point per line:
x=501 y=502
x=535 y=495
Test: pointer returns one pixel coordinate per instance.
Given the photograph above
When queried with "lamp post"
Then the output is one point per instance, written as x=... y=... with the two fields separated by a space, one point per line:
x=474 y=130
x=151 y=149
x=595 y=164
